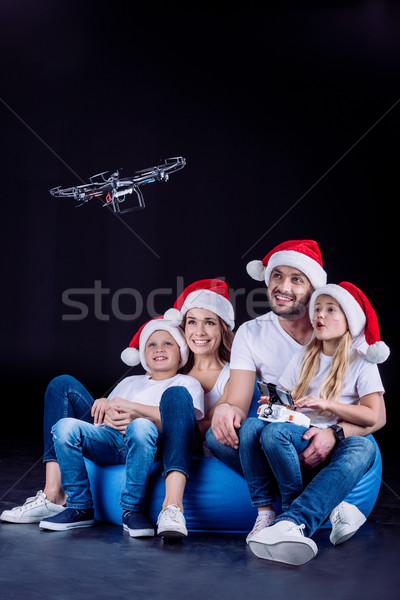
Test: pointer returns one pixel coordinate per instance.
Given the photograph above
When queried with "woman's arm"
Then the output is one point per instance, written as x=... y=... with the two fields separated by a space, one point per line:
x=365 y=414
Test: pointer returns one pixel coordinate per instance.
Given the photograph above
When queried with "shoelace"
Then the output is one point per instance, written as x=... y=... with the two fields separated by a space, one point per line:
x=338 y=516
x=171 y=512
x=299 y=528
x=31 y=500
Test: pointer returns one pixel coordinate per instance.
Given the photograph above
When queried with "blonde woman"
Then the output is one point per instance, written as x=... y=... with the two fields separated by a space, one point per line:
x=333 y=379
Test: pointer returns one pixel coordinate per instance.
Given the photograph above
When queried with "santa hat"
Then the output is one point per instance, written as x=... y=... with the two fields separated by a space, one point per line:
x=134 y=354
x=303 y=255
x=210 y=294
x=361 y=317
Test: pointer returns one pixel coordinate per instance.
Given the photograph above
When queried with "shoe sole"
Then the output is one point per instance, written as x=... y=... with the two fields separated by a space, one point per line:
x=25 y=520
x=289 y=552
x=139 y=532
x=172 y=533
x=65 y=526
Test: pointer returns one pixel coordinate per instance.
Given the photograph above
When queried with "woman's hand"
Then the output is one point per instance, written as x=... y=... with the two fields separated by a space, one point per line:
x=98 y=410
x=312 y=402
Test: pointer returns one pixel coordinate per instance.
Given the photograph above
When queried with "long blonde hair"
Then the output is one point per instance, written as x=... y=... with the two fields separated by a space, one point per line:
x=332 y=384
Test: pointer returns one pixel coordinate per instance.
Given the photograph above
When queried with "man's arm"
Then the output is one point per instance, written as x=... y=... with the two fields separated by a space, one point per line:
x=323 y=440
x=229 y=415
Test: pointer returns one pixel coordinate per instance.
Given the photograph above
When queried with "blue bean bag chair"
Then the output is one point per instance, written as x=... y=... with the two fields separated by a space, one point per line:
x=216 y=497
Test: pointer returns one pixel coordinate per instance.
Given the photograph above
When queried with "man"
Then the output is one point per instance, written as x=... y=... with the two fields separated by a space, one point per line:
x=263 y=347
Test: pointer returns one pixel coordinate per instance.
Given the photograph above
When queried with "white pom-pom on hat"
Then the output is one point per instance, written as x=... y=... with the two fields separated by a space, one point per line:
x=256 y=270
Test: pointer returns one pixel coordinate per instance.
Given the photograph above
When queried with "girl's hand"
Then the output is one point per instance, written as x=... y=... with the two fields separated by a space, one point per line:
x=312 y=402
x=264 y=400
x=98 y=410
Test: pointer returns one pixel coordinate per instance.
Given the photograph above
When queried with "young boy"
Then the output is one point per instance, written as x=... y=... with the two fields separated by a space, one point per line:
x=161 y=348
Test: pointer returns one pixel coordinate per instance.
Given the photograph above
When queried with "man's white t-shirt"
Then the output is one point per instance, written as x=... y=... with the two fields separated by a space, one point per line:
x=263 y=346
x=361 y=378
x=145 y=390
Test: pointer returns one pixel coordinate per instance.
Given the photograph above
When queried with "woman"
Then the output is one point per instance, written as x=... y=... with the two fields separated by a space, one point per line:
x=208 y=319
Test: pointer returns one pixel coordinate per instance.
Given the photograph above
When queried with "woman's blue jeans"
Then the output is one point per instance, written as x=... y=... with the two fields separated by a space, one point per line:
x=75 y=439
x=270 y=450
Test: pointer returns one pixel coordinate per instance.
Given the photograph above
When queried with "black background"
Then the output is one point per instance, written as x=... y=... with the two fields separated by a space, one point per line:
x=286 y=116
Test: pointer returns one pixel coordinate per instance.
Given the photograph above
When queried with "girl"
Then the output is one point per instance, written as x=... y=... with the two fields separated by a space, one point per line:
x=335 y=378
x=332 y=379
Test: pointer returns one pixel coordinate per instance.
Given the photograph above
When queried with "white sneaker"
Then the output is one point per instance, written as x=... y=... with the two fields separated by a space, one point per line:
x=264 y=519
x=171 y=522
x=346 y=519
x=283 y=542
x=32 y=511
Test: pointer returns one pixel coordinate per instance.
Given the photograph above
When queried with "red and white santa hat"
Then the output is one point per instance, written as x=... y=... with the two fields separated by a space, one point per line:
x=134 y=354
x=210 y=294
x=303 y=255
x=360 y=315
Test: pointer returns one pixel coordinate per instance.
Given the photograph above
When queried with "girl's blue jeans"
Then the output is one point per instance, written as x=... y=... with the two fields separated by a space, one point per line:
x=269 y=454
x=67 y=404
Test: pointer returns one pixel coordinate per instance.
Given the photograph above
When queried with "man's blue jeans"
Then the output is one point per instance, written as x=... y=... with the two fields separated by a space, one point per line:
x=282 y=442
x=75 y=439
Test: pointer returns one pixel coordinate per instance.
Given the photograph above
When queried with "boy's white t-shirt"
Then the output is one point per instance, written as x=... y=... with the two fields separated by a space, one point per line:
x=263 y=346
x=361 y=378
x=145 y=390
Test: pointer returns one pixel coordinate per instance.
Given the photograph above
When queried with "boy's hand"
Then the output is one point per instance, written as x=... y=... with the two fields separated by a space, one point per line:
x=98 y=410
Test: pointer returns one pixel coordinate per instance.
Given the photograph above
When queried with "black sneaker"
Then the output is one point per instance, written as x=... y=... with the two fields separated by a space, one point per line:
x=69 y=519
x=137 y=524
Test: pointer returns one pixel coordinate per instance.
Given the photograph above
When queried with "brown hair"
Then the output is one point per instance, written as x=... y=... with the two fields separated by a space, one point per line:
x=224 y=349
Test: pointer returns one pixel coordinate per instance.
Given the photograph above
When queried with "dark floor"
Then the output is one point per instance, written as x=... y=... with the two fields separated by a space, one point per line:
x=104 y=562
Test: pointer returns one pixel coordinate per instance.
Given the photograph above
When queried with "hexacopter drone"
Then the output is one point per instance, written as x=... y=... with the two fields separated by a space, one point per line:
x=112 y=189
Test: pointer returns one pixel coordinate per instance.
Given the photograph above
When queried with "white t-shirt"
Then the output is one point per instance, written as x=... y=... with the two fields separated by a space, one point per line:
x=215 y=394
x=263 y=346
x=145 y=390
x=361 y=378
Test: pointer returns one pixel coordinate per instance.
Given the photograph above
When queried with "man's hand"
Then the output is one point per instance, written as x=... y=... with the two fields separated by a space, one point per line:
x=321 y=445
x=98 y=410
x=226 y=419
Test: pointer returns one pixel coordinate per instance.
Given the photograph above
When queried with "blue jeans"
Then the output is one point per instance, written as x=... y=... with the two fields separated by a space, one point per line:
x=333 y=481
x=75 y=439
x=65 y=397
x=226 y=454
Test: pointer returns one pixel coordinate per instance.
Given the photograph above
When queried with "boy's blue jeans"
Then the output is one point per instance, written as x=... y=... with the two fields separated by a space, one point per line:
x=75 y=439
x=282 y=443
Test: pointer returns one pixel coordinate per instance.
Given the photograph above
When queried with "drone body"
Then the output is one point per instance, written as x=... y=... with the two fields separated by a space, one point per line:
x=113 y=190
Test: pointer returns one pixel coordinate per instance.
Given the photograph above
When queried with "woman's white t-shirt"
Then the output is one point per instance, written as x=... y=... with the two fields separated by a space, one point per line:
x=361 y=378
x=145 y=390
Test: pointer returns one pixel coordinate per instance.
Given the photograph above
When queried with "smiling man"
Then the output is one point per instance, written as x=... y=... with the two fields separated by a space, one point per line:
x=263 y=347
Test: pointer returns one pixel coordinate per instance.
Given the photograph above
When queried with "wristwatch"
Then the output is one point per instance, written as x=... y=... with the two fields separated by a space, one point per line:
x=338 y=432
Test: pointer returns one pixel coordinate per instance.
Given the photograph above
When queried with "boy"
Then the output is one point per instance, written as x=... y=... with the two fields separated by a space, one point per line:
x=161 y=348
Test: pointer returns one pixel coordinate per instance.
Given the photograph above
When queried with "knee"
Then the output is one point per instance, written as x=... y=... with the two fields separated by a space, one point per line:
x=60 y=383
x=359 y=448
x=64 y=429
x=141 y=431
x=251 y=430
x=275 y=434
x=176 y=398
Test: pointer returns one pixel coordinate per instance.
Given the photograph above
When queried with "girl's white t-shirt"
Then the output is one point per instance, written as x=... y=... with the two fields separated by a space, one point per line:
x=361 y=378
x=263 y=346
x=145 y=390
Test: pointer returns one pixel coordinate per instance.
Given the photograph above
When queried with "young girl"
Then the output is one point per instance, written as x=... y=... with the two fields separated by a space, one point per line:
x=335 y=378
